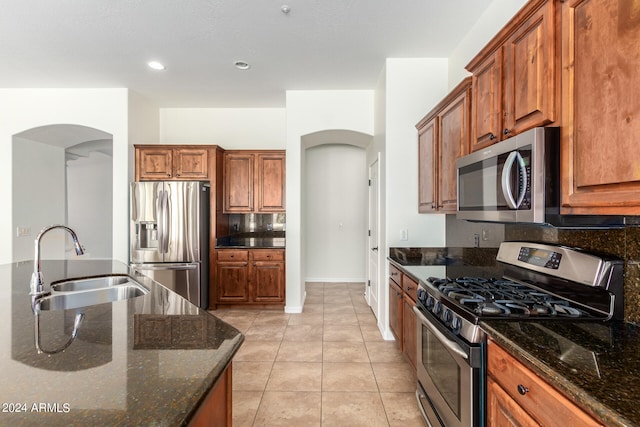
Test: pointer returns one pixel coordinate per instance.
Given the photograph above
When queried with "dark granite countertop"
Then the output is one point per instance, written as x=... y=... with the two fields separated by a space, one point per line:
x=421 y=263
x=149 y=360
x=595 y=364
x=253 y=240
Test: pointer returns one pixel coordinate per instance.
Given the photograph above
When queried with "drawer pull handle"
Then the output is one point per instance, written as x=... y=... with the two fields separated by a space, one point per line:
x=522 y=389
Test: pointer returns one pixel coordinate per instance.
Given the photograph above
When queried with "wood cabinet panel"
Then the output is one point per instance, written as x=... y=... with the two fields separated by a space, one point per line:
x=443 y=137
x=426 y=173
x=395 y=311
x=238 y=182
x=254 y=181
x=487 y=101
x=250 y=276
x=166 y=162
x=514 y=77
x=503 y=411
x=409 y=331
x=600 y=116
x=529 y=64
x=271 y=182
x=454 y=138
x=216 y=409
x=531 y=393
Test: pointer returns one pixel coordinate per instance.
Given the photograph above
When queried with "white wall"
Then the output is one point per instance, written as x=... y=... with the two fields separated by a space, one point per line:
x=103 y=109
x=488 y=24
x=309 y=112
x=413 y=87
x=230 y=128
x=39 y=197
x=336 y=213
x=89 y=198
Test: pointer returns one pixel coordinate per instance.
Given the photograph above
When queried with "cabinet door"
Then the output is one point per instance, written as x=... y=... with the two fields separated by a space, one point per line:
x=267 y=281
x=395 y=311
x=426 y=173
x=270 y=189
x=238 y=182
x=233 y=280
x=600 y=107
x=503 y=411
x=487 y=101
x=154 y=164
x=529 y=73
x=191 y=163
x=454 y=143
x=409 y=332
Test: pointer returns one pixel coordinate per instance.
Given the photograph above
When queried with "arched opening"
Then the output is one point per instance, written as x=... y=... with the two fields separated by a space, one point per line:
x=334 y=218
x=62 y=174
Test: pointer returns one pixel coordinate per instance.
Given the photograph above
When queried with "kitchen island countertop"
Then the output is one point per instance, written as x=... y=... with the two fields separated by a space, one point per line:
x=148 y=360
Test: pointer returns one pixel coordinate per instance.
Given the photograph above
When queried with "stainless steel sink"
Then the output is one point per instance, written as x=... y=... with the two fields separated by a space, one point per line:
x=76 y=293
x=91 y=283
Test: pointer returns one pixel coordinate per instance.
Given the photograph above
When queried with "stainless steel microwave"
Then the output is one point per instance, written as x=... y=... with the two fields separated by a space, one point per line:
x=515 y=180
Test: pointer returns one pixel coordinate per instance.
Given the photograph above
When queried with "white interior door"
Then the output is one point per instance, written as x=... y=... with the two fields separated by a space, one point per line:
x=373 y=281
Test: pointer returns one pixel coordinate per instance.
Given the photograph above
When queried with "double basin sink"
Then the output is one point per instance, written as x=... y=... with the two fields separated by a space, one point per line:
x=76 y=293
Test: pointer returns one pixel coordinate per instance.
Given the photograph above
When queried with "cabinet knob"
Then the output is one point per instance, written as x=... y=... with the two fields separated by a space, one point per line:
x=492 y=136
x=522 y=389
x=506 y=131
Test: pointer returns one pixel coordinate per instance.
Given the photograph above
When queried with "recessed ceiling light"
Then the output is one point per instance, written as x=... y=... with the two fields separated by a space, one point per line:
x=155 y=65
x=285 y=9
x=242 y=65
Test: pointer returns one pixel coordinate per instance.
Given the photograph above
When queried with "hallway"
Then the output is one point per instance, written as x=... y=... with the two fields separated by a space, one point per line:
x=327 y=366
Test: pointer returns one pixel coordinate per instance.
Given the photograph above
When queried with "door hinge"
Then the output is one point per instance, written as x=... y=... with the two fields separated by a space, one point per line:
x=369 y=183
x=369 y=283
x=369 y=233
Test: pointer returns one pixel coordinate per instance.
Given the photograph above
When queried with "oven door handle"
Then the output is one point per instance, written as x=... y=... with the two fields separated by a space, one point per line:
x=451 y=345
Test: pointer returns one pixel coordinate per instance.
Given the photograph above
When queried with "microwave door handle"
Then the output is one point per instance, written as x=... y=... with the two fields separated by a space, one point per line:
x=523 y=182
x=506 y=181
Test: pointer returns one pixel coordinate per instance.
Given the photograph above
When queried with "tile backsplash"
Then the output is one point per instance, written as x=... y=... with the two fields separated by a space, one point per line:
x=621 y=242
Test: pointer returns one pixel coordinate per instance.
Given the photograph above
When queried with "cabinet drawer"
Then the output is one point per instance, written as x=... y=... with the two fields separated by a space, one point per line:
x=232 y=255
x=267 y=255
x=543 y=402
x=410 y=287
x=395 y=274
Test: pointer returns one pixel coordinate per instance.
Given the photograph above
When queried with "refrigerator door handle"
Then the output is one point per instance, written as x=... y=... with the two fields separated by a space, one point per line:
x=165 y=222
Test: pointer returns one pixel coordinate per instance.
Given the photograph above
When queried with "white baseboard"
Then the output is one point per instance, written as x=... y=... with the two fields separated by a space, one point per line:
x=335 y=280
x=296 y=309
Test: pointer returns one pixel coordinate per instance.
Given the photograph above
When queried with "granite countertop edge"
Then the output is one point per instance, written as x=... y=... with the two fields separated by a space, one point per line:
x=575 y=393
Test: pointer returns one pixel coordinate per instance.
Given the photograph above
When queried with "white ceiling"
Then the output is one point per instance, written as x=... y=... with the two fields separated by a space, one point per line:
x=319 y=45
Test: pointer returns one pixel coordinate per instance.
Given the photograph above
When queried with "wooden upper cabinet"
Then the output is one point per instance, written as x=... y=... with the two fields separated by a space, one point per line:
x=426 y=172
x=443 y=137
x=487 y=101
x=254 y=181
x=600 y=107
x=514 y=77
x=271 y=182
x=238 y=181
x=161 y=162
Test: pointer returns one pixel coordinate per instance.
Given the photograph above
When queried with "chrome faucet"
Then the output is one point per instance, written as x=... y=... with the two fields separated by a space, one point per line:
x=37 y=284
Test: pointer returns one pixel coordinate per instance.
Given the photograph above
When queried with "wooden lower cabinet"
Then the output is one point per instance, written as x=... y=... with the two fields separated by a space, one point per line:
x=250 y=276
x=215 y=410
x=402 y=320
x=516 y=396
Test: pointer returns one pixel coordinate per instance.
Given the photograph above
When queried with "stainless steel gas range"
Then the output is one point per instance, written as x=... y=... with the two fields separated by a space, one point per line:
x=536 y=281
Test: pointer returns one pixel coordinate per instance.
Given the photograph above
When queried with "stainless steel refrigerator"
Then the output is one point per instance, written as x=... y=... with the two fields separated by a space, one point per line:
x=169 y=235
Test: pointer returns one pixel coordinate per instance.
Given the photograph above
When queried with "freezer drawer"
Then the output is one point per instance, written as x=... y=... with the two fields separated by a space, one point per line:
x=182 y=278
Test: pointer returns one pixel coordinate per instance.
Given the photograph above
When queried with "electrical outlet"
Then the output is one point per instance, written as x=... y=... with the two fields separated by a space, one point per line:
x=476 y=240
x=485 y=234
x=23 y=231
x=404 y=234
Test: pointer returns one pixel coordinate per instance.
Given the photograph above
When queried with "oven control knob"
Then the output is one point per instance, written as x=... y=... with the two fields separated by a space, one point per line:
x=437 y=308
x=447 y=316
x=430 y=302
x=456 y=324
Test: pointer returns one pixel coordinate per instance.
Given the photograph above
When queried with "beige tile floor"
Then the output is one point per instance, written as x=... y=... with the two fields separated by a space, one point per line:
x=327 y=366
